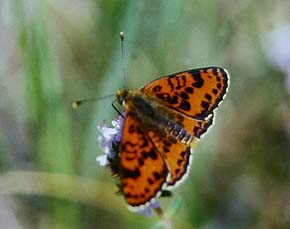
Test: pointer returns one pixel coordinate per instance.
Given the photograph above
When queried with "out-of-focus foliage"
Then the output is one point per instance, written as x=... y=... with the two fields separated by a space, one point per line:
x=52 y=52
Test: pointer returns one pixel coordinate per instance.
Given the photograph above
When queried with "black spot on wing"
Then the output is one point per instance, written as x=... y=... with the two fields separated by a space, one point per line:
x=170 y=84
x=184 y=95
x=128 y=195
x=208 y=96
x=157 y=88
x=205 y=105
x=189 y=90
x=198 y=80
x=184 y=105
x=215 y=71
x=166 y=149
x=157 y=176
x=183 y=154
x=152 y=154
x=198 y=84
x=181 y=80
x=140 y=162
x=179 y=162
x=167 y=98
x=215 y=91
x=150 y=181
x=134 y=174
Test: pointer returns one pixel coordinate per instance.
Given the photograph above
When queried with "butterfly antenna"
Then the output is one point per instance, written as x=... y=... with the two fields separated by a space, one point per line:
x=122 y=37
x=76 y=103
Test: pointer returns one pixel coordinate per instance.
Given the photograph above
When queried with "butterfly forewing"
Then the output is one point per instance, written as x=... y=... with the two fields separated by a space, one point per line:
x=195 y=93
x=143 y=169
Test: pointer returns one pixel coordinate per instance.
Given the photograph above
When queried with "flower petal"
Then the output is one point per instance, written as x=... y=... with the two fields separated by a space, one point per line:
x=103 y=161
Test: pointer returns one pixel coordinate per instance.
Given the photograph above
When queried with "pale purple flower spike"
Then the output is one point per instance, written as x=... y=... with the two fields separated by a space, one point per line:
x=108 y=136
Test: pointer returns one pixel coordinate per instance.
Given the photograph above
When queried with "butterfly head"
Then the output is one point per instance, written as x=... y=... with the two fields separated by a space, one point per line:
x=122 y=95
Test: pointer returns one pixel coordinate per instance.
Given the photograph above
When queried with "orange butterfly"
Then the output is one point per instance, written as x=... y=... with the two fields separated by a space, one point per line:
x=162 y=122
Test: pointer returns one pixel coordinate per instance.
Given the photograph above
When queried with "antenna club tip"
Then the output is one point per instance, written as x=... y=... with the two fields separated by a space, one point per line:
x=122 y=35
x=75 y=104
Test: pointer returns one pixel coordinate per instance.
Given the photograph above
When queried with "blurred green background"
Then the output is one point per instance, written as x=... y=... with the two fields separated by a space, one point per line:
x=52 y=52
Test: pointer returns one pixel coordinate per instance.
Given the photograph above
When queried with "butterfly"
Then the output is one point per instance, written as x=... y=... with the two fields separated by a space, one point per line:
x=163 y=121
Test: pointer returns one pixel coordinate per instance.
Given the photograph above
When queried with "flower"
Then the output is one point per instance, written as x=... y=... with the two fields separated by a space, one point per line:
x=109 y=138
x=147 y=210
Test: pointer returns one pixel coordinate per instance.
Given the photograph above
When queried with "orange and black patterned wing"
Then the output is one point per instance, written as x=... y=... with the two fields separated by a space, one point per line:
x=195 y=93
x=196 y=127
x=142 y=168
x=176 y=154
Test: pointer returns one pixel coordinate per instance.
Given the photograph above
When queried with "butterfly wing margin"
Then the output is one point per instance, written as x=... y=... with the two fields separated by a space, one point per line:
x=143 y=169
x=195 y=93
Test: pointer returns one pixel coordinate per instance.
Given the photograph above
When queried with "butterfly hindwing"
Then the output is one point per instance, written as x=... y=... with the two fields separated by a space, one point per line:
x=196 y=127
x=176 y=154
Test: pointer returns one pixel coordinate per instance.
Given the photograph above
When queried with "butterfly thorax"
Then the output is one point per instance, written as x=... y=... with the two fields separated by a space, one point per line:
x=153 y=114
